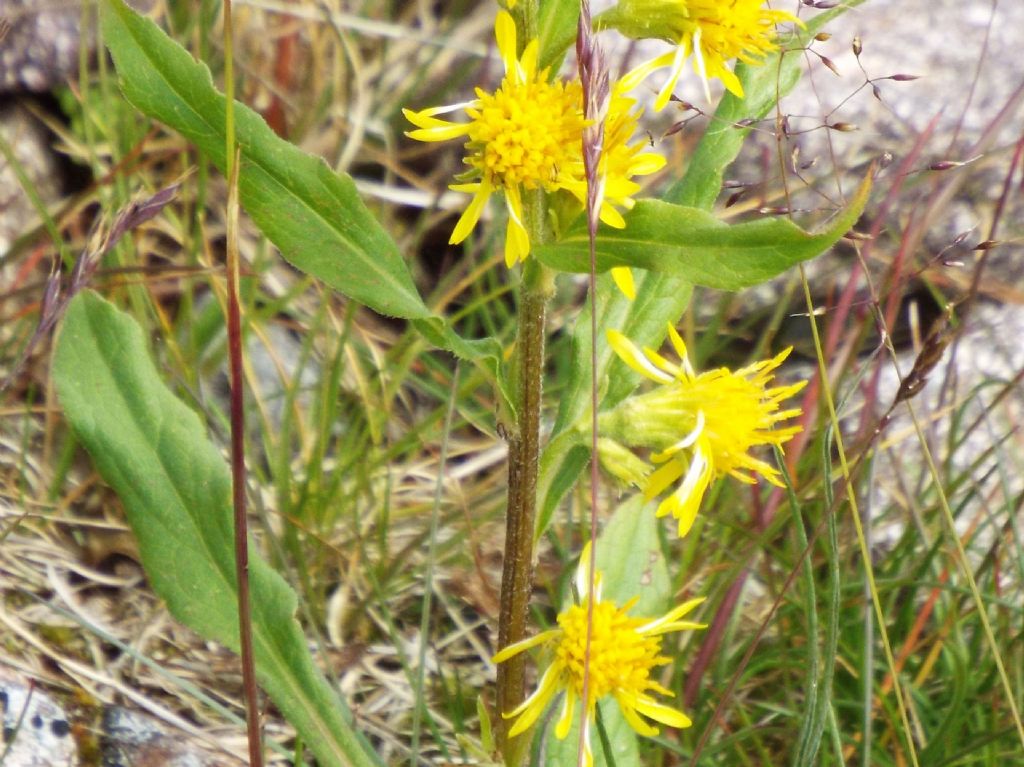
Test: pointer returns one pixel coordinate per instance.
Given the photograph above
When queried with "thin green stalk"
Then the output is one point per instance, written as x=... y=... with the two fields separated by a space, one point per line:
x=807 y=742
x=966 y=568
x=861 y=542
x=602 y=734
x=37 y=202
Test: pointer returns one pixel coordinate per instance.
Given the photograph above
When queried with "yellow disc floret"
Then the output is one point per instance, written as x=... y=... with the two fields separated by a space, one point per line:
x=621 y=658
x=524 y=132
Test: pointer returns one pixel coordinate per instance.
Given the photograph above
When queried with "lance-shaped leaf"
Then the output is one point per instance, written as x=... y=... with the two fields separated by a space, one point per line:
x=311 y=213
x=176 y=490
x=697 y=247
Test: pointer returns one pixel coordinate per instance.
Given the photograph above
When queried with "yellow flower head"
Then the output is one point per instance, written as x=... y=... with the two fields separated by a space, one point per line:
x=623 y=651
x=701 y=426
x=528 y=135
x=713 y=31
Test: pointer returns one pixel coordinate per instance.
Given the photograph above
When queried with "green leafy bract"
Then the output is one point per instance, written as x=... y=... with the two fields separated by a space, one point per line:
x=556 y=30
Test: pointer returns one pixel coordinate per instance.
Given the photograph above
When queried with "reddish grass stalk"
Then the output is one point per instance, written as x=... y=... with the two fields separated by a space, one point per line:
x=238 y=502
x=241 y=529
x=594 y=78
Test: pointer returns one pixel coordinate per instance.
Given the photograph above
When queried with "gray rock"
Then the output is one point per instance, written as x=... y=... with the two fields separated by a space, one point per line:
x=36 y=732
x=132 y=739
x=40 y=50
x=30 y=144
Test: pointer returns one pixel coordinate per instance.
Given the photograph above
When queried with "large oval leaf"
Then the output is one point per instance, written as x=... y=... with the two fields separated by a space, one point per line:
x=176 y=490
x=630 y=557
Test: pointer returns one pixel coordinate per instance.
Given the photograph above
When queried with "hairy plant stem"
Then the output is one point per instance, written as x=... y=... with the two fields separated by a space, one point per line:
x=523 y=460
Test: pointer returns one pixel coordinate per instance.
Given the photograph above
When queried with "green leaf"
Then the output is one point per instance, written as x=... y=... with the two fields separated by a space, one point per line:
x=623 y=740
x=629 y=555
x=176 y=490
x=556 y=30
x=311 y=213
x=698 y=248
x=485 y=352
x=660 y=299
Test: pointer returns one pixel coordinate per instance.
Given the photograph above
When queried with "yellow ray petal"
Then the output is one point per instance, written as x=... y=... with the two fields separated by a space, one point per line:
x=534 y=706
x=633 y=357
x=568 y=710
x=662 y=713
x=522 y=645
x=505 y=36
x=629 y=713
x=661 y=478
x=672 y=616
x=665 y=94
x=472 y=212
x=635 y=76
x=623 y=277
x=698 y=62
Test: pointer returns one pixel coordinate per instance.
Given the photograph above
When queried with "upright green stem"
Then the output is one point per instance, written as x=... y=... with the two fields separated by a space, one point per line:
x=523 y=460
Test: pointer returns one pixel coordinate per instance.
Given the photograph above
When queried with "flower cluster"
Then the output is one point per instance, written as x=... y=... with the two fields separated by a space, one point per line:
x=528 y=135
x=701 y=426
x=623 y=652
x=524 y=141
